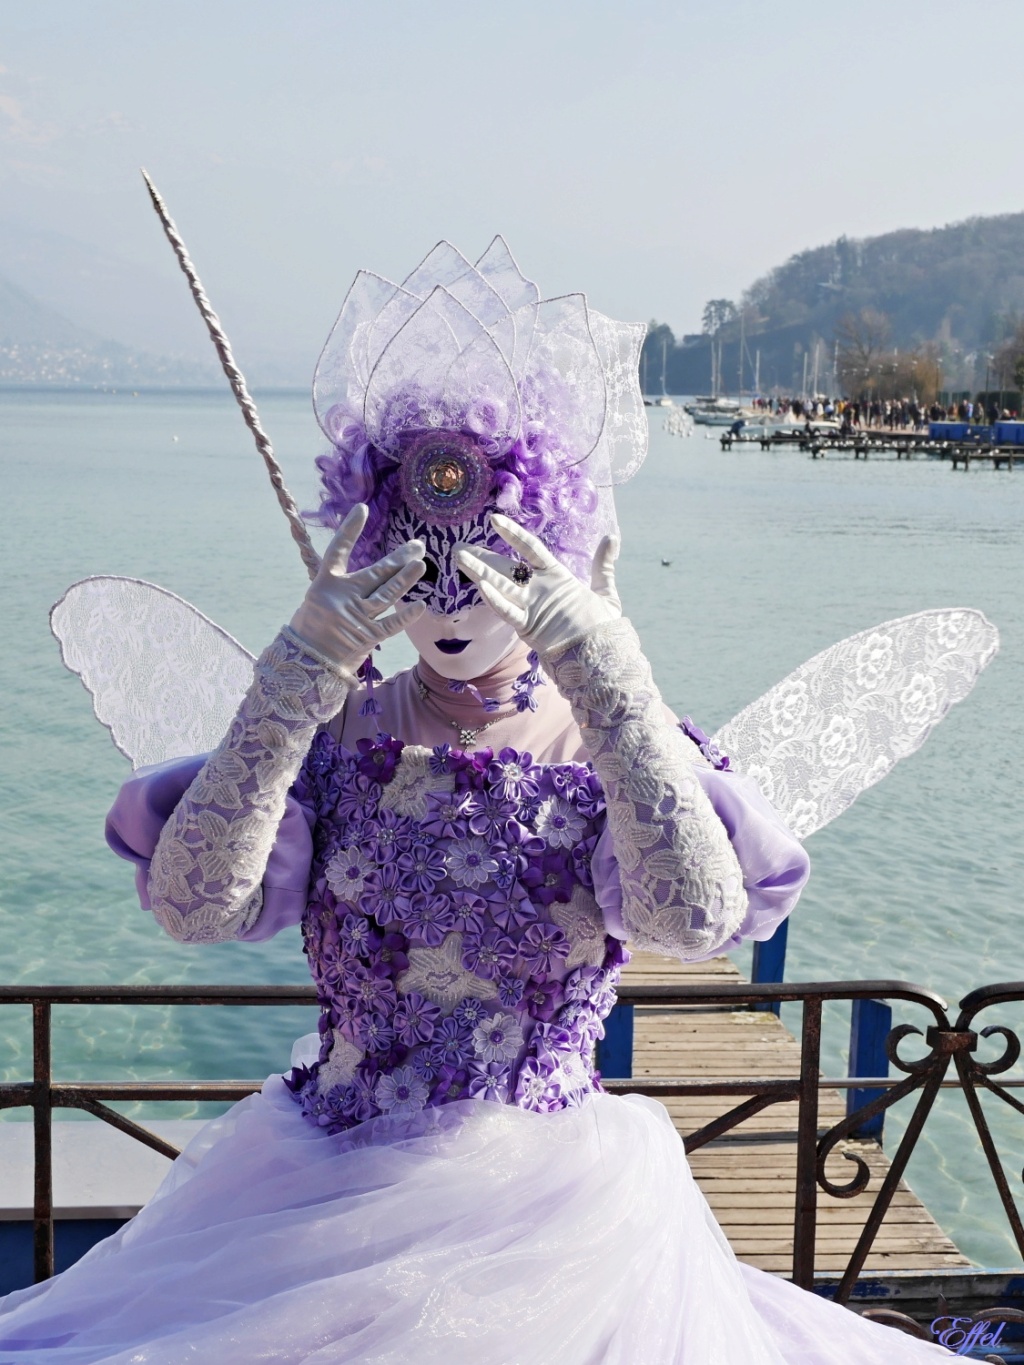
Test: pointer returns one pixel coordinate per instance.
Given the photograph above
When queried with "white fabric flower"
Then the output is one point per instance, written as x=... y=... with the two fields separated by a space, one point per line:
x=498 y=1039
x=470 y=862
x=346 y=874
x=401 y=1092
x=559 y=823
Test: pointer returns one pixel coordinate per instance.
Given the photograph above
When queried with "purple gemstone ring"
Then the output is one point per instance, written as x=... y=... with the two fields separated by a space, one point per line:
x=521 y=571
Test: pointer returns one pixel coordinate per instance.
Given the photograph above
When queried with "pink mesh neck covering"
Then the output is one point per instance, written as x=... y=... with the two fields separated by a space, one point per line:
x=549 y=733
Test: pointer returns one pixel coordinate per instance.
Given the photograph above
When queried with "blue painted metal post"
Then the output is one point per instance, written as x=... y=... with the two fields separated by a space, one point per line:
x=770 y=962
x=615 y=1049
x=870 y=1025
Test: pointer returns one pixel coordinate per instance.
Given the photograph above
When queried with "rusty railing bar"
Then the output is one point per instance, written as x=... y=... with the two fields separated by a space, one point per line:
x=893 y=1176
x=805 y=1212
x=42 y=1201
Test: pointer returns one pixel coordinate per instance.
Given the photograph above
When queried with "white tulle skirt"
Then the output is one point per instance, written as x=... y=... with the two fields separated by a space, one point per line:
x=478 y=1234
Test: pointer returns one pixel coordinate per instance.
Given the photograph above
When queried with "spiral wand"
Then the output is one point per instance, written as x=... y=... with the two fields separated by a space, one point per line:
x=237 y=381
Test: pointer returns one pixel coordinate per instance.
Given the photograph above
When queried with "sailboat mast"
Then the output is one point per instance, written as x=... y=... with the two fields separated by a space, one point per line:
x=742 y=344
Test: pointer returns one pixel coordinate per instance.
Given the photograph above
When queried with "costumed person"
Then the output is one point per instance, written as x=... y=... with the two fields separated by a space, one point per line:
x=468 y=847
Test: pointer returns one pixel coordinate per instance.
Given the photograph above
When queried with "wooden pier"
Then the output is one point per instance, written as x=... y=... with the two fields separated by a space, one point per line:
x=749 y=1176
x=864 y=442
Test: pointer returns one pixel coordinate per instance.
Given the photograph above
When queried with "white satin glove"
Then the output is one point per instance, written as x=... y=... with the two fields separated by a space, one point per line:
x=341 y=616
x=552 y=609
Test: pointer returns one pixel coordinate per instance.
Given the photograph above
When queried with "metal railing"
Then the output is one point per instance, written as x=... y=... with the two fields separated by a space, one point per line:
x=946 y=1042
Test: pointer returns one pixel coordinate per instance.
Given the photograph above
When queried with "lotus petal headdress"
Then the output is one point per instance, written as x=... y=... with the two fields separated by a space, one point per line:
x=474 y=349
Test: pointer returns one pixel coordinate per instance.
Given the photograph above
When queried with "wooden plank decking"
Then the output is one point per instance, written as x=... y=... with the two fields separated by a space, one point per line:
x=749 y=1176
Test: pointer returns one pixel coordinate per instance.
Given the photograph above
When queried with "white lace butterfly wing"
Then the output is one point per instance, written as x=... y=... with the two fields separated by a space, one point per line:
x=846 y=717
x=164 y=679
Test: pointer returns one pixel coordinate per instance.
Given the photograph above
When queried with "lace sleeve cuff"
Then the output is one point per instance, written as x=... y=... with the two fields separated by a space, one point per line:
x=204 y=880
x=682 y=885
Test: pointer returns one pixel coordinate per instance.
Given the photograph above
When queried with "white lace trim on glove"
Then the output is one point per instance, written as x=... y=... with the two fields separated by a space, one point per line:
x=204 y=880
x=682 y=885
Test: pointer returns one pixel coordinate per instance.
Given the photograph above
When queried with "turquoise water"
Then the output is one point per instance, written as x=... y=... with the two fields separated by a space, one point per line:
x=773 y=557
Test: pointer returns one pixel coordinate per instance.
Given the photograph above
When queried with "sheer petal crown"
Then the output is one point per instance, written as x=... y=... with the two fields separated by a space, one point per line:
x=475 y=349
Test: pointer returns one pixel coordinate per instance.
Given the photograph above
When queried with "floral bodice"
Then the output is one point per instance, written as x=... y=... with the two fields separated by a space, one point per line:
x=451 y=929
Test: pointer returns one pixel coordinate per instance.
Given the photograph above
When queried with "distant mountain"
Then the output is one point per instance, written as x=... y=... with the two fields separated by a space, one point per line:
x=38 y=346
x=958 y=289
x=143 y=305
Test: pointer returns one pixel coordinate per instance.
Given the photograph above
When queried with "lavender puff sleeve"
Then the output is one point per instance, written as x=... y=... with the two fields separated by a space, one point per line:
x=682 y=884
x=205 y=877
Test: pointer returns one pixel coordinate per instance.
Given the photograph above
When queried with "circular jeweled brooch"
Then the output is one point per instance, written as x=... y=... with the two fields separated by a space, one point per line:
x=445 y=478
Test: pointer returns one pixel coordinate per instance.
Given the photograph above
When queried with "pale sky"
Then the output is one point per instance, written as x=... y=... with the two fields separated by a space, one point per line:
x=652 y=154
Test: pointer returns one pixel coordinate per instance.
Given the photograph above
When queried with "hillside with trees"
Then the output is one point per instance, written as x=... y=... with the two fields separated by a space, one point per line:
x=909 y=309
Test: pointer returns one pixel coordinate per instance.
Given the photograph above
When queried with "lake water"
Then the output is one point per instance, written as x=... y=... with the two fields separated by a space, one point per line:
x=773 y=557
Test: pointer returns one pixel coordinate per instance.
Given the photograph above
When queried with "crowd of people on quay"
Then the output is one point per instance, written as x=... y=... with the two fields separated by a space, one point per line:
x=888 y=414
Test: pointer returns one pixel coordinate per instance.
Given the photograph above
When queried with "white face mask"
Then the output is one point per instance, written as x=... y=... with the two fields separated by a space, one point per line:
x=486 y=639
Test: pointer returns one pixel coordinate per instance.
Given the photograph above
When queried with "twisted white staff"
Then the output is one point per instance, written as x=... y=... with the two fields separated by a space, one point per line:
x=237 y=381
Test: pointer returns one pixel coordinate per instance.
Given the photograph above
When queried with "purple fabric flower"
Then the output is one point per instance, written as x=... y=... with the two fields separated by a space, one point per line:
x=510 y=990
x=426 y=1065
x=429 y=919
x=470 y=1012
x=582 y=983
x=374 y=1033
x=488 y=953
x=370 y=991
x=513 y=912
x=415 y=1019
x=422 y=867
x=549 y=878
x=470 y=911
x=385 y=897
x=440 y=761
x=491 y=814
x=589 y=796
x=450 y=1085
x=535 y=1089
x=542 y=999
x=386 y=836
x=446 y=815
x=358 y=1101
x=378 y=759
x=508 y=867
x=543 y=947
x=450 y=1045
x=356 y=798
x=390 y=958
x=703 y=742
x=511 y=775
x=581 y=856
x=489 y=1080
x=298 y=1078
x=359 y=935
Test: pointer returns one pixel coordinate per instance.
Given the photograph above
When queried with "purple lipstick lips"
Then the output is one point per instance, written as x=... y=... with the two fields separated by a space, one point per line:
x=452 y=646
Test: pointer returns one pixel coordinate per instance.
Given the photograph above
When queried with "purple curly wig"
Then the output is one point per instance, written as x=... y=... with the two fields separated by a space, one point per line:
x=538 y=481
